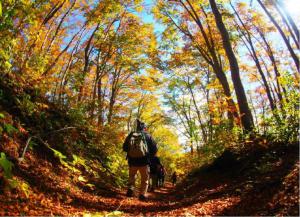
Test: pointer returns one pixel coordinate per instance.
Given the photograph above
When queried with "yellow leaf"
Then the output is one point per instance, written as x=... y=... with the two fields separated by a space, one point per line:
x=82 y=179
x=115 y=213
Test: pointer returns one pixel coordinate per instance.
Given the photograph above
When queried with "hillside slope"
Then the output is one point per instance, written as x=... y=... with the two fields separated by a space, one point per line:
x=264 y=181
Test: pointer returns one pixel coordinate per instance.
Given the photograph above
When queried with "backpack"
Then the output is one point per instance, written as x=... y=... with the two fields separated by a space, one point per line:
x=137 y=146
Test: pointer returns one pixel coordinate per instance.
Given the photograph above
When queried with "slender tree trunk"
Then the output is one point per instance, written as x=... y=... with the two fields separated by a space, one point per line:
x=61 y=53
x=291 y=21
x=246 y=116
x=254 y=111
x=49 y=30
x=185 y=109
x=178 y=110
x=210 y=124
x=53 y=11
x=65 y=73
x=87 y=52
x=59 y=26
x=101 y=94
x=114 y=92
x=280 y=90
x=286 y=41
x=255 y=58
x=204 y=133
x=292 y=34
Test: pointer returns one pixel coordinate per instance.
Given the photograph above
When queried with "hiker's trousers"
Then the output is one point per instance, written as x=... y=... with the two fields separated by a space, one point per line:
x=144 y=171
x=153 y=181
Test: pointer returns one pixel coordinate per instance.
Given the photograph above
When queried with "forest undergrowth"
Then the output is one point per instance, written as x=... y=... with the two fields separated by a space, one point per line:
x=246 y=189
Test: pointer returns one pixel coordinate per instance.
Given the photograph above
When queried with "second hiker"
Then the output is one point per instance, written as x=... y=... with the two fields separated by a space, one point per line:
x=154 y=170
x=161 y=176
x=174 y=178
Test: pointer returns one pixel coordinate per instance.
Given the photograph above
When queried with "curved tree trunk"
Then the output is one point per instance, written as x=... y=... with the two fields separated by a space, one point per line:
x=286 y=41
x=291 y=21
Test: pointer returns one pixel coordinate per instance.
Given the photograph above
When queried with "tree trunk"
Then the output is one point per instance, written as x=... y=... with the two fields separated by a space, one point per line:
x=204 y=133
x=61 y=53
x=246 y=116
x=59 y=26
x=212 y=59
x=291 y=21
x=276 y=70
x=293 y=54
x=255 y=58
x=87 y=52
x=52 y=12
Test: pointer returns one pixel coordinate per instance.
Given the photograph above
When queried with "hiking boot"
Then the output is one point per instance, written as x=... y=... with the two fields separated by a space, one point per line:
x=142 y=197
x=129 y=193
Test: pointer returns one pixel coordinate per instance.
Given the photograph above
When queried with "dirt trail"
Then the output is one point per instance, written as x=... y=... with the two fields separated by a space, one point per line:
x=53 y=190
x=159 y=200
x=168 y=201
x=215 y=196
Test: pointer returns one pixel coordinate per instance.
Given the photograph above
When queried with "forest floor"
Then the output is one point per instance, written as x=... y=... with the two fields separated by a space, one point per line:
x=51 y=190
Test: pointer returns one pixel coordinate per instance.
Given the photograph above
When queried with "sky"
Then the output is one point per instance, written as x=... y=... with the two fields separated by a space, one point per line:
x=147 y=16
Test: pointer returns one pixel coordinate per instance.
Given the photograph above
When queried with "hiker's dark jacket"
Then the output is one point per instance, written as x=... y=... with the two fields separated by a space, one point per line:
x=143 y=161
x=154 y=165
x=161 y=172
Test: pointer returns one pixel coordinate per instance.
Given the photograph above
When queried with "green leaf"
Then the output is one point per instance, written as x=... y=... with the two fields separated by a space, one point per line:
x=13 y=183
x=32 y=144
x=10 y=129
x=6 y=165
x=0 y=9
x=2 y=115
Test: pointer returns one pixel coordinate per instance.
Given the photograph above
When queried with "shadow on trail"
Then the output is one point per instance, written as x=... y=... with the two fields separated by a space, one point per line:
x=169 y=198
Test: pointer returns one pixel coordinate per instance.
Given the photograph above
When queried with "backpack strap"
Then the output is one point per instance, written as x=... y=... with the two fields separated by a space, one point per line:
x=145 y=141
x=144 y=138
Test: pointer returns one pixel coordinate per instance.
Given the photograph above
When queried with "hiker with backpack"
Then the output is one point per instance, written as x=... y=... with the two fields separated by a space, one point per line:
x=140 y=147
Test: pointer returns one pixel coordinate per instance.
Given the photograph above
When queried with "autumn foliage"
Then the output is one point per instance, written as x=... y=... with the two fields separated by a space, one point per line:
x=216 y=82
